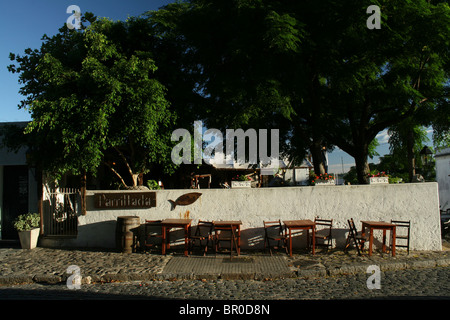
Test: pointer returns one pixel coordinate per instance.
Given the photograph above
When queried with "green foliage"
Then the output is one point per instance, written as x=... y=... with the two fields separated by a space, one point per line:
x=93 y=99
x=395 y=180
x=350 y=177
x=27 y=222
x=241 y=177
x=441 y=123
x=283 y=32
x=396 y=73
x=153 y=185
x=313 y=68
x=398 y=141
x=113 y=91
x=311 y=178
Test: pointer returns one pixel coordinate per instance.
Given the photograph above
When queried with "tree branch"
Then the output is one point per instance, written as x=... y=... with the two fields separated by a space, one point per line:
x=387 y=123
x=116 y=173
x=125 y=161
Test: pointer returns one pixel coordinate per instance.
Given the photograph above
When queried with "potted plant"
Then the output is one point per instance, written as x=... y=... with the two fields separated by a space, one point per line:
x=28 y=226
x=323 y=179
x=241 y=181
x=378 y=177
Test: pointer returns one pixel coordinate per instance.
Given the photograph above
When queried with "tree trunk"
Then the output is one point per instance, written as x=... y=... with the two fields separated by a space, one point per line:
x=411 y=159
x=317 y=143
x=135 y=177
x=116 y=173
x=83 y=193
x=362 y=167
x=317 y=157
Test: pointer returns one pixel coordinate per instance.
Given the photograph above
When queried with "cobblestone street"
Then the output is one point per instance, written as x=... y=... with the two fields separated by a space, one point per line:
x=427 y=283
x=177 y=281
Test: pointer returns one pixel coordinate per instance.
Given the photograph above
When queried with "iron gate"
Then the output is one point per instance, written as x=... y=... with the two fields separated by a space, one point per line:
x=61 y=212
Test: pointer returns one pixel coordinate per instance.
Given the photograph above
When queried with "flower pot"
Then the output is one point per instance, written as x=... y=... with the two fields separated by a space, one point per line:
x=329 y=182
x=29 y=238
x=378 y=180
x=241 y=184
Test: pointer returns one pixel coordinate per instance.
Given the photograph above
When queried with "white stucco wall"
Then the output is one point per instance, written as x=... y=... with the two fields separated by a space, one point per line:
x=416 y=202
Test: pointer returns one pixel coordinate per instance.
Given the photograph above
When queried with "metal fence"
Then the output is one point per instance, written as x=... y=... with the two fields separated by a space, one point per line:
x=60 y=211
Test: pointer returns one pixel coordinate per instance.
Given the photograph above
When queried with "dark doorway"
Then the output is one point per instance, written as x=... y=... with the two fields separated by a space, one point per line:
x=15 y=198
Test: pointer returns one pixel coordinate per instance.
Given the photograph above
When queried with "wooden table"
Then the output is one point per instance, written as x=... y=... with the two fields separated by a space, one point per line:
x=380 y=225
x=301 y=225
x=168 y=224
x=229 y=225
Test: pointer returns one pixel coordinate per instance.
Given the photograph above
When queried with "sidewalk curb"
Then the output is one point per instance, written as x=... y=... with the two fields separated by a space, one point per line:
x=385 y=266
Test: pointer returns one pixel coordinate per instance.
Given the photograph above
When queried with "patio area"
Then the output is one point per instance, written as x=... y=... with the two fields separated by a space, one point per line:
x=417 y=203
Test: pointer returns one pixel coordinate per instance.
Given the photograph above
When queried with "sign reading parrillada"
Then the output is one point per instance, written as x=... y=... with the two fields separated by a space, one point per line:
x=125 y=200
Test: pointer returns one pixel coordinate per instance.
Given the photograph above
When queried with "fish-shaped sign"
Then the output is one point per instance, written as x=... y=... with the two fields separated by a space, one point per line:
x=185 y=199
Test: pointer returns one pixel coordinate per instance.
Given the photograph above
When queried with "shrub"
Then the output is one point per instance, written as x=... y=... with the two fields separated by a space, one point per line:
x=27 y=221
x=153 y=185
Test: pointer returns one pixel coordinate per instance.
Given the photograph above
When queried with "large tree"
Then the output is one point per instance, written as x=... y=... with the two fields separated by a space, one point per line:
x=314 y=68
x=93 y=99
x=406 y=142
x=235 y=51
x=310 y=68
x=385 y=76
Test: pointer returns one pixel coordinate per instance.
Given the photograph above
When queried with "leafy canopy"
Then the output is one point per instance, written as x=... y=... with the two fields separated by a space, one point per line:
x=93 y=98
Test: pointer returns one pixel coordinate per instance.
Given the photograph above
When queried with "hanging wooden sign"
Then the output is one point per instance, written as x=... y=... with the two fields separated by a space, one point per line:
x=125 y=200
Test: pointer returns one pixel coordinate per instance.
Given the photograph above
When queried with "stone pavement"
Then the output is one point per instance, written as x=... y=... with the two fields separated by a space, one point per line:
x=49 y=265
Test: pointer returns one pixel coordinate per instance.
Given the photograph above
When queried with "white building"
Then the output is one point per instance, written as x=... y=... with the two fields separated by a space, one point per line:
x=291 y=174
x=443 y=177
x=18 y=187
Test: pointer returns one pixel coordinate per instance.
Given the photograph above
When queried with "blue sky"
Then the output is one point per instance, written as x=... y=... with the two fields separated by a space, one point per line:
x=23 y=22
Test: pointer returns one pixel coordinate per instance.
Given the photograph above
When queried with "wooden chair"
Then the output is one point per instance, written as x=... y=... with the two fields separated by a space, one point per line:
x=402 y=235
x=324 y=232
x=153 y=231
x=226 y=234
x=445 y=222
x=203 y=232
x=355 y=236
x=273 y=231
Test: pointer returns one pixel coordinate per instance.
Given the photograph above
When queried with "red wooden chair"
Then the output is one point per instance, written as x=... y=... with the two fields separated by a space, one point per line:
x=203 y=233
x=323 y=232
x=356 y=237
x=273 y=231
